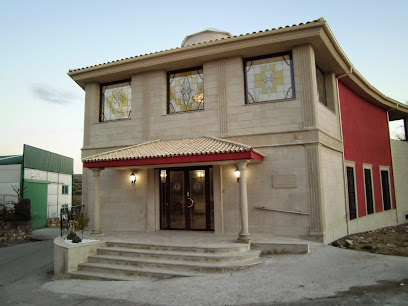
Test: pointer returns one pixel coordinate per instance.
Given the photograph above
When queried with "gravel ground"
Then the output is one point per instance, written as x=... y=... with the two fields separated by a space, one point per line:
x=325 y=276
x=391 y=240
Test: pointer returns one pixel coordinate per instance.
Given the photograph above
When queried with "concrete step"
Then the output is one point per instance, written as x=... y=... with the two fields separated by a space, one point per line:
x=181 y=256
x=232 y=247
x=88 y=275
x=128 y=261
x=130 y=272
x=177 y=265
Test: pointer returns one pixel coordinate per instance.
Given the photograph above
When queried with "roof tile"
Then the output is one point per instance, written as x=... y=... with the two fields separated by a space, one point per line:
x=169 y=148
x=228 y=38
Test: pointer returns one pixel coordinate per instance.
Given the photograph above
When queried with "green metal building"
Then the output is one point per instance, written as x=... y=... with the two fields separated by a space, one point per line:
x=41 y=176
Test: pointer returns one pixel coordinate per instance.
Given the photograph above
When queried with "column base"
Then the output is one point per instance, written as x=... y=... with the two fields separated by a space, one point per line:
x=244 y=238
x=96 y=232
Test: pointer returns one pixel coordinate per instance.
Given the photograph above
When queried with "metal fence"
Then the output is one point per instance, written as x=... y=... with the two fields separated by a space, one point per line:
x=68 y=217
x=54 y=210
x=8 y=199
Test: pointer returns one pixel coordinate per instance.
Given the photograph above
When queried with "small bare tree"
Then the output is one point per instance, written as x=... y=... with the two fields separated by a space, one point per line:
x=17 y=190
x=398 y=134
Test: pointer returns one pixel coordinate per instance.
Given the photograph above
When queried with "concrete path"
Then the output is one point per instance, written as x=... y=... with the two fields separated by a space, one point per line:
x=46 y=233
x=20 y=260
x=310 y=279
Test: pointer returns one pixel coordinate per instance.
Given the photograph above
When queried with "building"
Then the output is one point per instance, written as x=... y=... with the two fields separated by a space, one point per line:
x=283 y=109
x=41 y=176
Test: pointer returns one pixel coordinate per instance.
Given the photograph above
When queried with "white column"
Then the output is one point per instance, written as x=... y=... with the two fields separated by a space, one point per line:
x=243 y=201
x=97 y=204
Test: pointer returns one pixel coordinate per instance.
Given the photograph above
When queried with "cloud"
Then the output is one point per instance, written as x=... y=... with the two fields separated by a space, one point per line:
x=52 y=95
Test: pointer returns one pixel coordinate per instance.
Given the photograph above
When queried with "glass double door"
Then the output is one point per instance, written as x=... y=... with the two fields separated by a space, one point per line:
x=185 y=201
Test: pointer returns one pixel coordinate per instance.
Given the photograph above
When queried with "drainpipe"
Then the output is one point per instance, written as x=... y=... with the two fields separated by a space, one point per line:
x=392 y=170
x=57 y=193
x=406 y=128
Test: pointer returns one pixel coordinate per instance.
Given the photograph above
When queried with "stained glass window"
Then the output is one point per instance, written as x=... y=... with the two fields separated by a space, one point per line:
x=116 y=101
x=321 y=86
x=186 y=91
x=269 y=78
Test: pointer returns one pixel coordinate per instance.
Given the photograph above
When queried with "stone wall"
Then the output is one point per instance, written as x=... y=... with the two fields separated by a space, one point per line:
x=15 y=230
x=400 y=166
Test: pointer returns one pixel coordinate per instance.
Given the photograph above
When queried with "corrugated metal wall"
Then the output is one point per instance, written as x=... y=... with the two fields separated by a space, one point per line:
x=35 y=158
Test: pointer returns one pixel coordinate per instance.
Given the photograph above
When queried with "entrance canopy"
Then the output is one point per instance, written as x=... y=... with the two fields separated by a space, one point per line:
x=160 y=152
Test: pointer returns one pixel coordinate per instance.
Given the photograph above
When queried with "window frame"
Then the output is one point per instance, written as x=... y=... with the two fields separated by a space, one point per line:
x=325 y=88
x=352 y=165
x=292 y=76
x=196 y=68
x=101 y=99
x=387 y=169
x=369 y=167
x=64 y=186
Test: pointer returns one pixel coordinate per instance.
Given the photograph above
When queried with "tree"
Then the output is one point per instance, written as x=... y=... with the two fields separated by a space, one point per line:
x=81 y=223
x=18 y=191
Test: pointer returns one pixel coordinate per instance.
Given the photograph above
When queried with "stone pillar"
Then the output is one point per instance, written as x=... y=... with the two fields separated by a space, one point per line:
x=243 y=201
x=305 y=68
x=406 y=128
x=315 y=195
x=97 y=204
x=91 y=112
x=150 y=204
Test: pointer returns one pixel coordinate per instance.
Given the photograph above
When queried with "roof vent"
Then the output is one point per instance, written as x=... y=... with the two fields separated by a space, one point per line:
x=204 y=36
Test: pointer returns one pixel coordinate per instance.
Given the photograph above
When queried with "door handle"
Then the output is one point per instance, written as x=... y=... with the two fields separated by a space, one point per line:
x=191 y=201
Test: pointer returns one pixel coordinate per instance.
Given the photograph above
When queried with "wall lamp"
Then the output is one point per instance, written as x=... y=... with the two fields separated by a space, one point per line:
x=237 y=174
x=132 y=179
x=163 y=175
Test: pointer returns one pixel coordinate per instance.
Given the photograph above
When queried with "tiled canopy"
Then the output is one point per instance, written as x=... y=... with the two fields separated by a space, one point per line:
x=174 y=151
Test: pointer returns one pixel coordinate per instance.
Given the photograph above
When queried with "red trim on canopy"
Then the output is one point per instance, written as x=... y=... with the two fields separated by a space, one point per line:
x=174 y=160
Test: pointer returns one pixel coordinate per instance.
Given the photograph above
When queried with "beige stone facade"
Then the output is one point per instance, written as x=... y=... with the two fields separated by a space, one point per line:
x=298 y=190
x=400 y=162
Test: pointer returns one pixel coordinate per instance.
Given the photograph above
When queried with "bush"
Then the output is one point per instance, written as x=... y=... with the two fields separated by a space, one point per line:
x=19 y=211
x=22 y=210
x=6 y=213
x=76 y=239
x=71 y=235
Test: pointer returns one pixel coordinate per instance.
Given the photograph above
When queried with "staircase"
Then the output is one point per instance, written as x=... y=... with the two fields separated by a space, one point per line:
x=128 y=261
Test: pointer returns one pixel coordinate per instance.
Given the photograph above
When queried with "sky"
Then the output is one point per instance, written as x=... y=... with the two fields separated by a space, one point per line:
x=41 y=40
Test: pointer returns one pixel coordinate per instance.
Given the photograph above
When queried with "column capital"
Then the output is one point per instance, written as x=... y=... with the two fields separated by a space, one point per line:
x=96 y=171
x=242 y=164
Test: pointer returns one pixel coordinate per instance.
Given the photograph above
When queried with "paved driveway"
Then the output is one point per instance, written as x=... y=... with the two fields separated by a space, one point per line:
x=26 y=278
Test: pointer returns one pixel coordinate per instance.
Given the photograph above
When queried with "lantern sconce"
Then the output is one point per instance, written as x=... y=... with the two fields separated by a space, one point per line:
x=163 y=175
x=200 y=173
x=237 y=174
x=132 y=179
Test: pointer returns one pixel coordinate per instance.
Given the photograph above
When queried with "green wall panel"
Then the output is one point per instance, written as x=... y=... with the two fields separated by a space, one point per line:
x=37 y=193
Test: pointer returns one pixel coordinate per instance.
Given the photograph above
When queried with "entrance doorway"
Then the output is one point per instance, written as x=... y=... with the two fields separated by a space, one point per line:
x=186 y=199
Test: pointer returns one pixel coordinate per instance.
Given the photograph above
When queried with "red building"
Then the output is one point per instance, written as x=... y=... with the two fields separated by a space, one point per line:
x=367 y=154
